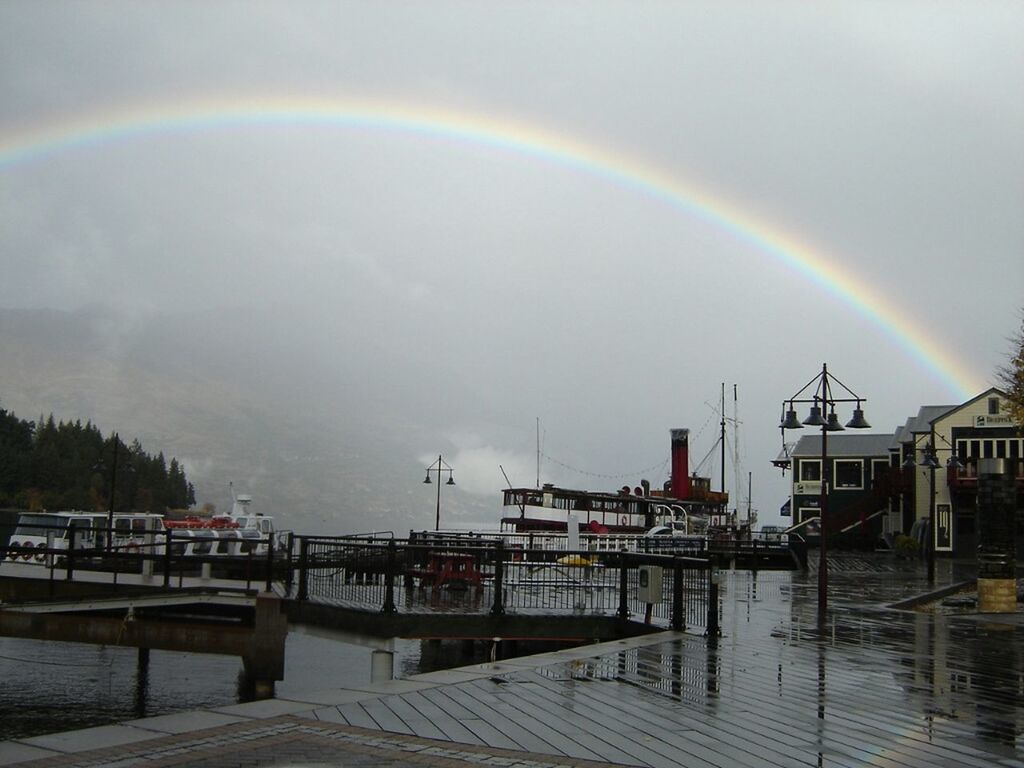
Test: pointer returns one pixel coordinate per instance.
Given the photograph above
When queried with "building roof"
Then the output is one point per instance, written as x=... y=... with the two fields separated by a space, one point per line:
x=844 y=444
x=987 y=393
x=897 y=438
x=923 y=421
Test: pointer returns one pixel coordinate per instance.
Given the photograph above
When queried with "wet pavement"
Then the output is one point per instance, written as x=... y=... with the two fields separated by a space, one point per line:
x=872 y=685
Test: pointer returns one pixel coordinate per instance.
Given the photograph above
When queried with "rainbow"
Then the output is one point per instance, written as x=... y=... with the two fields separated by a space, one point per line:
x=139 y=122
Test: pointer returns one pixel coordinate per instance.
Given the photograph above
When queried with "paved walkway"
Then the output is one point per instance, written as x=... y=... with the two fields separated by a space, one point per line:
x=873 y=686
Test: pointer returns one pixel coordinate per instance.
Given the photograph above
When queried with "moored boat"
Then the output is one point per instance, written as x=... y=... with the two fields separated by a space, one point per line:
x=685 y=503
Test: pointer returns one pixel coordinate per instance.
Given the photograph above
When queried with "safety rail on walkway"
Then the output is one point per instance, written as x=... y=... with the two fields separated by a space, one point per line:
x=490 y=576
x=161 y=558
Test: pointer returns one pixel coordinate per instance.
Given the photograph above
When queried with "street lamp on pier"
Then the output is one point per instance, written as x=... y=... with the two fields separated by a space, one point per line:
x=930 y=461
x=439 y=466
x=823 y=398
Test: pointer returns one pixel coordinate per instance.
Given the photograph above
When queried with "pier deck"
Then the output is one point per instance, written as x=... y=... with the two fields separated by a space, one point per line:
x=875 y=685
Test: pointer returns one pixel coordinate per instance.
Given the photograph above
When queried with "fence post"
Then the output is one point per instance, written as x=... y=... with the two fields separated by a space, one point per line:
x=288 y=580
x=389 y=580
x=167 y=558
x=678 y=617
x=498 y=606
x=303 y=567
x=70 y=570
x=713 y=630
x=623 y=587
x=270 y=561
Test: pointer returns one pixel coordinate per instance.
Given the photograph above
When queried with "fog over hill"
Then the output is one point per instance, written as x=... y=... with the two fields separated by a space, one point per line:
x=326 y=450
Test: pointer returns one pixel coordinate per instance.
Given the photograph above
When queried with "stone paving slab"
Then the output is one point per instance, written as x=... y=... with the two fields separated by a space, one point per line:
x=183 y=722
x=12 y=752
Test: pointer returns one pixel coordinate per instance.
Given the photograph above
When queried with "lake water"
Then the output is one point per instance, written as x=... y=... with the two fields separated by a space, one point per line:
x=46 y=687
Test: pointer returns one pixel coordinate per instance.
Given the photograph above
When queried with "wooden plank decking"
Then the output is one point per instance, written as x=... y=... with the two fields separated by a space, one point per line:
x=874 y=686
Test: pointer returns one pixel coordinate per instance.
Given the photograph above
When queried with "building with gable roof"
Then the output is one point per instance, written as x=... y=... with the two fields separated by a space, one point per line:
x=883 y=486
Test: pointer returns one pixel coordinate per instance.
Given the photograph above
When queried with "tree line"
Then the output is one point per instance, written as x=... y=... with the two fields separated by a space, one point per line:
x=69 y=465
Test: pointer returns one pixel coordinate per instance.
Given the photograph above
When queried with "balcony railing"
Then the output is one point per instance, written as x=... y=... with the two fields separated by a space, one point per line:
x=966 y=478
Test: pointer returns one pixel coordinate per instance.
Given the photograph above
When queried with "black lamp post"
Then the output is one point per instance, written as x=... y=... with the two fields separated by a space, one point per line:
x=930 y=461
x=439 y=466
x=822 y=398
x=100 y=465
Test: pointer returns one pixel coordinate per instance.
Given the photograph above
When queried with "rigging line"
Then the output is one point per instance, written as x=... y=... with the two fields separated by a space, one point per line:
x=598 y=474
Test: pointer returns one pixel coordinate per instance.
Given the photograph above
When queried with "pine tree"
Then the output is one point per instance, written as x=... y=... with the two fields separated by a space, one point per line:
x=1011 y=377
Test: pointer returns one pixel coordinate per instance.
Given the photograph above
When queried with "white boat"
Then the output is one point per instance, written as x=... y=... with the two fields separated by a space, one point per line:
x=241 y=532
x=50 y=531
x=237 y=534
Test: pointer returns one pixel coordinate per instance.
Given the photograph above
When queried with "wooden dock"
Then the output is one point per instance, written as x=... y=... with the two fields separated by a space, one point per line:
x=874 y=685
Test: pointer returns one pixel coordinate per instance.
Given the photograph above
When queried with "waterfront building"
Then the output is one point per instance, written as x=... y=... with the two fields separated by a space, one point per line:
x=945 y=443
x=885 y=485
x=861 y=487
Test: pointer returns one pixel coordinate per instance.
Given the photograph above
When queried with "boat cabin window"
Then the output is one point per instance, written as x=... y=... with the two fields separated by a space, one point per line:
x=122 y=527
x=265 y=526
x=40 y=525
x=223 y=547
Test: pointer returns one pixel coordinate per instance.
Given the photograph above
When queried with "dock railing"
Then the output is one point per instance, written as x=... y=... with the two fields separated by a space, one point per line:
x=153 y=558
x=492 y=575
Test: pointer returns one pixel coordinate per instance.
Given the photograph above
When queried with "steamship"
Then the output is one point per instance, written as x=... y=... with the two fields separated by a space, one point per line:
x=685 y=503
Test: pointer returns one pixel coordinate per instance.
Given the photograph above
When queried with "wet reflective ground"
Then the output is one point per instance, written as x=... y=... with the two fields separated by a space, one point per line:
x=872 y=686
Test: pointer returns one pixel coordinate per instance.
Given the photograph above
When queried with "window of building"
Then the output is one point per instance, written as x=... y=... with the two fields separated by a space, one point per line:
x=975 y=449
x=1000 y=449
x=849 y=473
x=809 y=513
x=810 y=470
x=879 y=471
x=986 y=448
x=993 y=406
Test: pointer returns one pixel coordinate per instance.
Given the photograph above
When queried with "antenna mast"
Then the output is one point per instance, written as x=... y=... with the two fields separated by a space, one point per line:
x=722 y=438
x=538 y=453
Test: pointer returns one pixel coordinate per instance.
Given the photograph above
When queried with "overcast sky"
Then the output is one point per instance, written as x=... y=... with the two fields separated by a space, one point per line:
x=465 y=287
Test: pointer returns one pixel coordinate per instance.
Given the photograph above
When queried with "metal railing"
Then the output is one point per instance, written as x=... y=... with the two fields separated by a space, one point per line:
x=162 y=557
x=489 y=575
